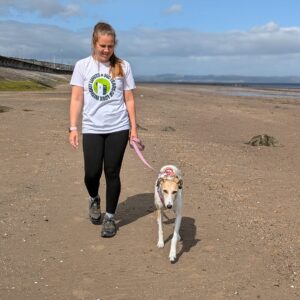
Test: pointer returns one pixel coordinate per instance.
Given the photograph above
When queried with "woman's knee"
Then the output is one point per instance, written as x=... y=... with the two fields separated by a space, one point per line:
x=112 y=173
x=92 y=176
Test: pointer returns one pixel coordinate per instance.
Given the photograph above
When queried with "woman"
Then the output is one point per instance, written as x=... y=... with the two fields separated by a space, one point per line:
x=102 y=88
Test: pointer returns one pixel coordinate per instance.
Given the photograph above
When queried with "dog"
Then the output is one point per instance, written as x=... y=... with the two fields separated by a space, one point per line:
x=168 y=194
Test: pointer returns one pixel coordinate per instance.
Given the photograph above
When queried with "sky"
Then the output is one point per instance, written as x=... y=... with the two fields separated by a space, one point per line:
x=190 y=37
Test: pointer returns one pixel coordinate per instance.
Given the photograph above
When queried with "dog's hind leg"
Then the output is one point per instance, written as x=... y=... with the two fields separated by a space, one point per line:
x=160 y=243
x=176 y=237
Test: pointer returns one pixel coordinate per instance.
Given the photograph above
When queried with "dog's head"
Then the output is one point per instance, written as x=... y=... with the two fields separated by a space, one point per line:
x=169 y=187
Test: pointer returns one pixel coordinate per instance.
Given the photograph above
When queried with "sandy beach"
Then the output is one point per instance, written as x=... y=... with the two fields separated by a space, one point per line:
x=240 y=228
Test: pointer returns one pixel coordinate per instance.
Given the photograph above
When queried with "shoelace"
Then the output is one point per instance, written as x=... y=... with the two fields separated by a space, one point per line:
x=94 y=202
x=109 y=222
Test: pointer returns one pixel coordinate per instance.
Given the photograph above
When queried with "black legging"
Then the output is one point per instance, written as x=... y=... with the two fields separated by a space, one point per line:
x=108 y=149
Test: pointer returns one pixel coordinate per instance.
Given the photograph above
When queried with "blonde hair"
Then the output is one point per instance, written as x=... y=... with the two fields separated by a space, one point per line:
x=102 y=28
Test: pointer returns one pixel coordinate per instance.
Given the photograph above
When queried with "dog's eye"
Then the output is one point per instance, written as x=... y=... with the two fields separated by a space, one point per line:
x=174 y=192
x=165 y=191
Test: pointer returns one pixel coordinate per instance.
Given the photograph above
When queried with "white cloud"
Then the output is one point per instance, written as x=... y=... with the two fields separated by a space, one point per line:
x=183 y=43
x=264 y=50
x=42 y=42
x=173 y=9
x=45 y=9
x=269 y=27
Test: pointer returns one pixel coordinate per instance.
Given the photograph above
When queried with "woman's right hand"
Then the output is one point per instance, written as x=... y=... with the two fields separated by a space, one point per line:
x=73 y=138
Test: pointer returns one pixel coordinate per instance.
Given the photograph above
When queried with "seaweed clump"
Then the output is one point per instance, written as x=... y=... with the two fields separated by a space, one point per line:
x=263 y=140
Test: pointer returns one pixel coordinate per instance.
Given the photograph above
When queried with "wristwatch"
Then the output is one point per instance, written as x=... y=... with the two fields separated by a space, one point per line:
x=74 y=128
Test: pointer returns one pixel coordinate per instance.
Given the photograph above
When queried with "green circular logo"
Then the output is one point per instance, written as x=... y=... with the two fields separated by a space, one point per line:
x=102 y=86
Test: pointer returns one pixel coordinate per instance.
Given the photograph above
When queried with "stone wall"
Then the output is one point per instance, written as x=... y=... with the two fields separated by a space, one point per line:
x=34 y=65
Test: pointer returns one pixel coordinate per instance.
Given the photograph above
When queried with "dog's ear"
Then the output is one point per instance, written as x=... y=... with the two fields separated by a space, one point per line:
x=180 y=184
x=159 y=181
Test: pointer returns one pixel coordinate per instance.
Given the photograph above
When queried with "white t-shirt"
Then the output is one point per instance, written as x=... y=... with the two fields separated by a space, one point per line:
x=104 y=109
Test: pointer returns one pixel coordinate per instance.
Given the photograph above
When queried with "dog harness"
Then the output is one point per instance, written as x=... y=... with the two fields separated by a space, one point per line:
x=160 y=196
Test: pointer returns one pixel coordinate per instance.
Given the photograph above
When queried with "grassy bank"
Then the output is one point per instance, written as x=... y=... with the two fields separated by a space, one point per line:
x=22 y=85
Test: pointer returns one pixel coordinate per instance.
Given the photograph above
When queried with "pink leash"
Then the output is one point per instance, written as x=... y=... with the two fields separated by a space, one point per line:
x=138 y=146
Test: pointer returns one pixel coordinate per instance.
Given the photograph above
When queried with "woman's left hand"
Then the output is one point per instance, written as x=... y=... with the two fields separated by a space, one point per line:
x=133 y=133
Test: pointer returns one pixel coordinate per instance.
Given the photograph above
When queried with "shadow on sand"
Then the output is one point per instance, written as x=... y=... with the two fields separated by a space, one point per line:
x=135 y=207
x=140 y=205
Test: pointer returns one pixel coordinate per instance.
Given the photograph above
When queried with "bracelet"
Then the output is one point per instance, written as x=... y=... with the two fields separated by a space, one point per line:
x=74 y=128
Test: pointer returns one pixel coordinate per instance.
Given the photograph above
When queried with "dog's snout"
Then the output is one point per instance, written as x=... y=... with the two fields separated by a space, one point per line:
x=169 y=206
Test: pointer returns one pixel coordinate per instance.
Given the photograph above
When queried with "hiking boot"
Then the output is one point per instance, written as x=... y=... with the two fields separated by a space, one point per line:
x=109 y=228
x=94 y=210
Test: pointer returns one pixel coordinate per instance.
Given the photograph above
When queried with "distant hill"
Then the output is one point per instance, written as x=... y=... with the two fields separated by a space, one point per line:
x=49 y=67
x=226 y=79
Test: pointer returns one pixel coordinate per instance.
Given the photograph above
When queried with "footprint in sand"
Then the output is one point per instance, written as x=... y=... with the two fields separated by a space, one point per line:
x=97 y=248
x=83 y=291
x=81 y=294
x=78 y=219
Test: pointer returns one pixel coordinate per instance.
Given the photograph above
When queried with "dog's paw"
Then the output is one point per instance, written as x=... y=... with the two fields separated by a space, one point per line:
x=172 y=255
x=160 y=244
x=172 y=258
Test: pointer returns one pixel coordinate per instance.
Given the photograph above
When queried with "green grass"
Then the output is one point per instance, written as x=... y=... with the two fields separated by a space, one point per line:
x=22 y=85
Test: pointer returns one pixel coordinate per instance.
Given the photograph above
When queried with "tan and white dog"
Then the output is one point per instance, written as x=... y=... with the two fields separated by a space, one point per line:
x=168 y=193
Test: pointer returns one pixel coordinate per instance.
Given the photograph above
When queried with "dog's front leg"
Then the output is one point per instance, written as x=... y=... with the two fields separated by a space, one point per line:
x=160 y=242
x=176 y=237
